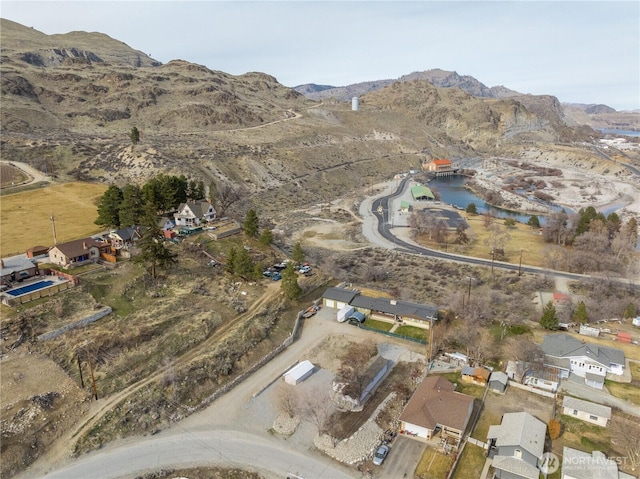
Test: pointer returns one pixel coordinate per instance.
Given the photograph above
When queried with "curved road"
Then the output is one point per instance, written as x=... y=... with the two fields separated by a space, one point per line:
x=225 y=448
x=380 y=210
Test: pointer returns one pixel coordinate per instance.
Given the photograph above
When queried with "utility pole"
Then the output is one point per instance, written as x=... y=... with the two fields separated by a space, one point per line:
x=469 y=294
x=93 y=379
x=53 y=225
x=493 y=257
x=80 y=369
x=520 y=266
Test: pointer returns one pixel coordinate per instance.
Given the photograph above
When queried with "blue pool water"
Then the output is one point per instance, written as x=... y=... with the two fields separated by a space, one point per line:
x=29 y=288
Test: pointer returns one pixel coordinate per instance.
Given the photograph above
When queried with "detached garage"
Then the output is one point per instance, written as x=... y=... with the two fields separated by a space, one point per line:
x=298 y=373
x=338 y=298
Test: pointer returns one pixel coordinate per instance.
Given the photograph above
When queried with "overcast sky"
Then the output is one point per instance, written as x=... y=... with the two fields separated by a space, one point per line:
x=579 y=51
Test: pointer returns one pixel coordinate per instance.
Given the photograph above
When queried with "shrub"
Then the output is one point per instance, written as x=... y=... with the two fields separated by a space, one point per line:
x=554 y=428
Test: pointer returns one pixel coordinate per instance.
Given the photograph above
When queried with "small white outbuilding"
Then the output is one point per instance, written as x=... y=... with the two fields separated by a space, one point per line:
x=298 y=373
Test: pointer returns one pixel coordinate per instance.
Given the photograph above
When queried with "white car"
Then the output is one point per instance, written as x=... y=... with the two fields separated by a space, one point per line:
x=380 y=455
x=304 y=269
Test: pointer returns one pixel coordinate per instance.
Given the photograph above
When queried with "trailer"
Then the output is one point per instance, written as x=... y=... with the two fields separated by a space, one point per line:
x=298 y=373
x=344 y=313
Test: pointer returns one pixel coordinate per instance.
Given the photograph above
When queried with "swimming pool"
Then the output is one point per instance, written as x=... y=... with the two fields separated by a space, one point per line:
x=29 y=288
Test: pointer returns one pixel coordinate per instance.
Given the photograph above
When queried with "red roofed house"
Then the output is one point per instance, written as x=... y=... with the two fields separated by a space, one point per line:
x=439 y=166
x=78 y=252
x=436 y=407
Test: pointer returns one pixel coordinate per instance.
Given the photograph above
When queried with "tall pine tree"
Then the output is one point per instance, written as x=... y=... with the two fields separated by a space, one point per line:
x=549 y=320
x=290 y=286
x=251 y=224
x=109 y=208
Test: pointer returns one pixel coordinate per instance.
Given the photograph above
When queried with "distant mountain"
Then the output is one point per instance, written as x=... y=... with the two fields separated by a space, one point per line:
x=591 y=109
x=20 y=43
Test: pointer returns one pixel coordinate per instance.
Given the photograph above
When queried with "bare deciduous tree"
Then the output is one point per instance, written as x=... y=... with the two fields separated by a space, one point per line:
x=288 y=399
x=625 y=435
x=521 y=348
x=316 y=406
x=226 y=195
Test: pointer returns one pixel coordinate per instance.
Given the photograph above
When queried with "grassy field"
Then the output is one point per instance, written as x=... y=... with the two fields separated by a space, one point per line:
x=433 y=465
x=462 y=387
x=521 y=238
x=379 y=325
x=25 y=217
x=629 y=392
x=412 y=332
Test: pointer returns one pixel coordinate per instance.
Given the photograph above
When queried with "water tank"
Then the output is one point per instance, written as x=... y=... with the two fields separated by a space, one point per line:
x=355 y=103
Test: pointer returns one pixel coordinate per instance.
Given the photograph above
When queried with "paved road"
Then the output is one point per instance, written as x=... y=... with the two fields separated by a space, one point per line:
x=378 y=209
x=228 y=448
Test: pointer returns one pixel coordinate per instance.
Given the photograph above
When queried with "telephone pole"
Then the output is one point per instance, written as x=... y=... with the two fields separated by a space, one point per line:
x=53 y=225
x=520 y=266
x=93 y=379
x=80 y=369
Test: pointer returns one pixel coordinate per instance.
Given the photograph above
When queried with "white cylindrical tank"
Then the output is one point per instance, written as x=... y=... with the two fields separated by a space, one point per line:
x=355 y=103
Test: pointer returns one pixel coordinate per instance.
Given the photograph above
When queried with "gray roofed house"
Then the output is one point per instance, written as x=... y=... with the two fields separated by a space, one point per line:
x=332 y=296
x=586 y=411
x=194 y=213
x=17 y=268
x=517 y=445
x=396 y=308
x=583 y=465
x=585 y=360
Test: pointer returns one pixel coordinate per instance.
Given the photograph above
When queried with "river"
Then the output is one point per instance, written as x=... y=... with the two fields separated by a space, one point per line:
x=453 y=192
x=613 y=131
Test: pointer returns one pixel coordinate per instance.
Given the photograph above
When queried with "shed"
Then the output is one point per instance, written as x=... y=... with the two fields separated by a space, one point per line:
x=636 y=321
x=498 y=381
x=298 y=373
x=36 y=251
x=405 y=206
x=421 y=192
x=624 y=337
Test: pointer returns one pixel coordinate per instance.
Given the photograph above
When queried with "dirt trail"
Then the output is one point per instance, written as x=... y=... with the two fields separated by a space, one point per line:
x=64 y=446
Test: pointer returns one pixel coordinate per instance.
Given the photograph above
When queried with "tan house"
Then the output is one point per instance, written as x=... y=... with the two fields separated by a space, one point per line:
x=436 y=407
x=78 y=252
x=586 y=411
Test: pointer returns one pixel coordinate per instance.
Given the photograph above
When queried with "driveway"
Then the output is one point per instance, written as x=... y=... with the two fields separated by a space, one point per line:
x=35 y=175
x=598 y=396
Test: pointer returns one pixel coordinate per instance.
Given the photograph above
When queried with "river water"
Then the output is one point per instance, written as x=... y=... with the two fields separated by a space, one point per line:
x=453 y=192
x=610 y=131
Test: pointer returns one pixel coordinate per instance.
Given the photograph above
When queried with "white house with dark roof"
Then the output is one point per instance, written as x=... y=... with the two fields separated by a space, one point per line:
x=584 y=360
x=583 y=465
x=194 y=213
x=517 y=445
x=586 y=411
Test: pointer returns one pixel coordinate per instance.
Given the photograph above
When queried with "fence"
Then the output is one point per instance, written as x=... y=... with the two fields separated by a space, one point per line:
x=75 y=325
x=394 y=335
x=238 y=379
x=546 y=394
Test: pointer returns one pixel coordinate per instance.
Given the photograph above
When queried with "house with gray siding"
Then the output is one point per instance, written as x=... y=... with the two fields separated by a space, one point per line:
x=595 y=465
x=517 y=445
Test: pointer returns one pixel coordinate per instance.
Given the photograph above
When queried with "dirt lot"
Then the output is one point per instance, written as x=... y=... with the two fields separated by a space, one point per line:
x=39 y=401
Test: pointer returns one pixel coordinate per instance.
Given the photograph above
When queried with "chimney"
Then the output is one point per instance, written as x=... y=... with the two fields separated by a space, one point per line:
x=85 y=245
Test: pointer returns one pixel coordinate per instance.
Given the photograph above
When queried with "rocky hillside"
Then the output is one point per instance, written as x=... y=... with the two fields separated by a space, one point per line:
x=72 y=100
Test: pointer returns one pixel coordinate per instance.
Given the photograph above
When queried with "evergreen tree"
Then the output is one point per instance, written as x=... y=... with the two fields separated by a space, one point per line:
x=212 y=193
x=629 y=311
x=109 y=208
x=243 y=264
x=510 y=222
x=549 y=320
x=534 y=221
x=231 y=260
x=290 y=286
x=297 y=254
x=199 y=192
x=132 y=206
x=580 y=314
x=266 y=238
x=153 y=252
x=472 y=209
x=134 y=134
x=251 y=224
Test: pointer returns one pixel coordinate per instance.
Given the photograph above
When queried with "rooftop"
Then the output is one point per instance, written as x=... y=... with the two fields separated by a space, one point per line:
x=586 y=406
x=564 y=345
x=435 y=402
x=520 y=429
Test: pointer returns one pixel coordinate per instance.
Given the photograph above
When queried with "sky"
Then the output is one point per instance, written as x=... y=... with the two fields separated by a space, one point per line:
x=579 y=51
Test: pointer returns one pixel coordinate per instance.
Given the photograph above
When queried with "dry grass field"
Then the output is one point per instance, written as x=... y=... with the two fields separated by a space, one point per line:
x=25 y=217
x=520 y=238
x=10 y=175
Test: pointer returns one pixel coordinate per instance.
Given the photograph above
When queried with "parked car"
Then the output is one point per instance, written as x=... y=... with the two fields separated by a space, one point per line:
x=268 y=274
x=304 y=269
x=380 y=455
x=276 y=277
x=356 y=318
